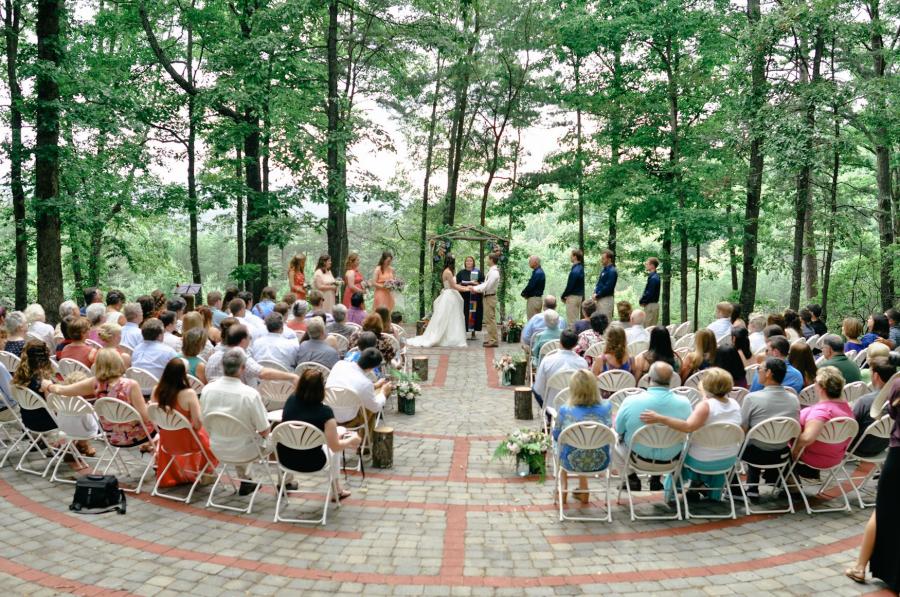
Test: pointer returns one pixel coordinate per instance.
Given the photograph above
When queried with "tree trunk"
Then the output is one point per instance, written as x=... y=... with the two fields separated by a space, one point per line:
x=239 y=207
x=12 y=22
x=697 y=290
x=732 y=255
x=429 y=159
x=832 y=217
x=579 y=163
x=667 y=276
x=336 y=226
x=257 y=240
x=50 y=16
x=192 y=203
x=810 y=260
x=756 y=163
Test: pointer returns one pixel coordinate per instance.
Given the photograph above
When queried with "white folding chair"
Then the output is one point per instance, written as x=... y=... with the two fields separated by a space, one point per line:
x=172 y=420
x=681 y=353
x=303 y=436
x=558 y=381
x=345 y=400
x=125 y=349
x=325 y=371
x=880 y=429
x=850 y=354
x=671 y=328
x=808 y=395
x=70 y=366
x=724 y=340
x=694 y=380
x=146 y=380
x=83 y=426
x=637 y=347
x=614 y=380
x=28 y=400
x=93 y=344
x=116 y=412
x=268 y=364
x=658 y=437
x=12 y=431
x=681 y=330
x=854 y=390
x=619 y=396
x=751 y=371
x=343 y=344
x=9 y=360
x=547 y=348
x=840 y=430
x=195 y=384
x=354 y=326
x=737 y=394
x=586 y=435
x=775 y=431
x=813 y=341
x=684 y=342
x=692 y=394
x=717 y=436
x=226 y=429
x=861 y=357
x=275 y=392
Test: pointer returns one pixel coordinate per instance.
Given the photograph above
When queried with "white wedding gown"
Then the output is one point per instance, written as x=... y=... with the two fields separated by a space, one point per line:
x=447 y=326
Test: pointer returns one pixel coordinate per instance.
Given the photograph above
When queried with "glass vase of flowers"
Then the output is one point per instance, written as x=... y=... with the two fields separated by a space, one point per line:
x=505 y=366
x=406 y=389
x=529 y=447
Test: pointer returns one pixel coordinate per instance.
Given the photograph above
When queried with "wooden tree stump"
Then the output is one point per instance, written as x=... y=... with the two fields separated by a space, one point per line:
x=383 y=447
x=518 y=375
x=420 y=367
x=523 y=403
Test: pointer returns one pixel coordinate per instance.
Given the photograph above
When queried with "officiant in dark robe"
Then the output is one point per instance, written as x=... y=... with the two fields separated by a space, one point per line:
x=472 y=302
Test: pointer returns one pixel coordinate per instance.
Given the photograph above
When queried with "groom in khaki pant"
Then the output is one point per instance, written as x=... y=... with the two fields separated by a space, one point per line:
x=488 y=289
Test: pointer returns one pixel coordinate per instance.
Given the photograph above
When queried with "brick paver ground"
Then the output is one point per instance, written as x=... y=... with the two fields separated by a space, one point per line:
x=445 y=520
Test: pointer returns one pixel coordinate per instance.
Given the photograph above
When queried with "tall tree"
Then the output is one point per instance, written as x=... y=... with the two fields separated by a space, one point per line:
x=12 y=28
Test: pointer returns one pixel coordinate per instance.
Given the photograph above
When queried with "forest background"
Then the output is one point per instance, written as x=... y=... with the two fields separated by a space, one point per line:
x=752 y=146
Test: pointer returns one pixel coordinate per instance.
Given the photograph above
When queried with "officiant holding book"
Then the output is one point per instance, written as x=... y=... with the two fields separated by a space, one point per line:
x=473 y=307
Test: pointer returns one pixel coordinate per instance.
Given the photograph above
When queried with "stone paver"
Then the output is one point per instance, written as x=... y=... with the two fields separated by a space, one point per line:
x=447 y=519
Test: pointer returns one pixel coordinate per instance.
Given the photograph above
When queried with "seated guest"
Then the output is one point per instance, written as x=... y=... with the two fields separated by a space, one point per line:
x=792 y=327
x=772 y=400
x=151 y=354
x=173 y=392
x=818 y=326
x=131 y=331
x=659 y=399
x=194 y=343
x=562 y=360
x=372 y=323
x=757 y=339
x=252 y=318
x=636 y=332
x=740 y=339
x=314 y=348
x=178 y=306
x=297 y=323
x=387 y=324
x=623 y=309
x=77 y=350
x=806 y=323
x=237 y=336
x=109 y=382
x=584 y=404
x=147 y=305
x=615 y=353
x=879 y=331
x=703 y=356
x=115 y=301
x=356 y=313
x=214 y=302
x=660 y=349
x=550 y=332
x=773 y=330
x=893 y=316
x=728 y=359
x=289 y=298
x=801 y=357
x=238 y=309
x=364 y=341
x=777 y=319
x=170 y=324
x=536 y=324
x=317 y=307
x=37 y=323
x=111 y=337
x=778 y=347
x=716 y=407
x=266 y=303
x=16 y=328
x=274 y=346
x=96 y=316
x=882 y=371
x=852 y=329
x=588 y=308
x=35 y=373
x=64 y=331
x=721 y=326
x=230 y=396
x=831 y=405
x=833 y=351
x=306 y=405
x=589 y=337
x=338 y=326
x=355 y=376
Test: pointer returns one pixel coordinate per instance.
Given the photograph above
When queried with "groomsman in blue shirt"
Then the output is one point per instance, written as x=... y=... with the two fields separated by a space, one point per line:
x=605 y=289
x=534 y=290
x=650 y=299
x=573 y=295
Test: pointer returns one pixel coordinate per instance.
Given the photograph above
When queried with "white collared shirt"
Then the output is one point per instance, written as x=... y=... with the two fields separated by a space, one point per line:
x=348 y=375
x=275 y=347
x=491 y=281
x=228 y=395
x=720 y=327
x=564 y=360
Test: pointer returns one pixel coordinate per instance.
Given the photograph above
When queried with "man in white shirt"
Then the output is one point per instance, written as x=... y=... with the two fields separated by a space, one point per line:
x=636 y=332
x=562 y=360
x=339 y=313
x=169 y=320
x=755 y=326
x=252 y=372
x=536 y=324
x=151 y=354
x=355 y=376
x=238 y=309
x=230 y=396
x=131 y=331
x=721 y=327
x=274 y=346
x=488 y=289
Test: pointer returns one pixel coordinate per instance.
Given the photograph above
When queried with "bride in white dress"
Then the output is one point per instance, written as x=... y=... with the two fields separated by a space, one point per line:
x=447 y=326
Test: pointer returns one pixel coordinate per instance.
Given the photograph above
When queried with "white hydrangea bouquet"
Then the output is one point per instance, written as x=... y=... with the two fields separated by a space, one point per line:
x=529 y=448
x=505 y=365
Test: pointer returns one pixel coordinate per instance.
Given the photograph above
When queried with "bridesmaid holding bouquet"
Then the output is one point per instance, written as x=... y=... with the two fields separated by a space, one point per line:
x=382 y=276
x=353 y=280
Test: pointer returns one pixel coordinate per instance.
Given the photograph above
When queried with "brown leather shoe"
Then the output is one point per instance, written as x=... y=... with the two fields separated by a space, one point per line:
x=490 y=344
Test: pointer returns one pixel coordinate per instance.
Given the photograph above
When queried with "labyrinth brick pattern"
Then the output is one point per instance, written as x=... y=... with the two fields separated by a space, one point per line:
x=446 y=520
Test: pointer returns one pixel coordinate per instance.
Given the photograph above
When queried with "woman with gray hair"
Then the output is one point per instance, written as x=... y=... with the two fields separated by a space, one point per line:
x=298 y=321
x=16 y=328
x=96 y=315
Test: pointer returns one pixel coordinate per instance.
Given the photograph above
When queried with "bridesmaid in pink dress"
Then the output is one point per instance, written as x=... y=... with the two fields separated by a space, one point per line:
x=383 y=273
x=353 y=280
x=324 y=282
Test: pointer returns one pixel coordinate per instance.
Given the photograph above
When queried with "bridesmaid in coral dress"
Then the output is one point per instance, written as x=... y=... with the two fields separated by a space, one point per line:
x=353 y=280
x=325 y=283
x=383 y=273
x=174 y=393
x=296 y=277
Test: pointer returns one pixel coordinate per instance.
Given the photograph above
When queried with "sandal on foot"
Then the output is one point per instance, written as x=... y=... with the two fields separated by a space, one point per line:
x=856 y=575
x=343 y=495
